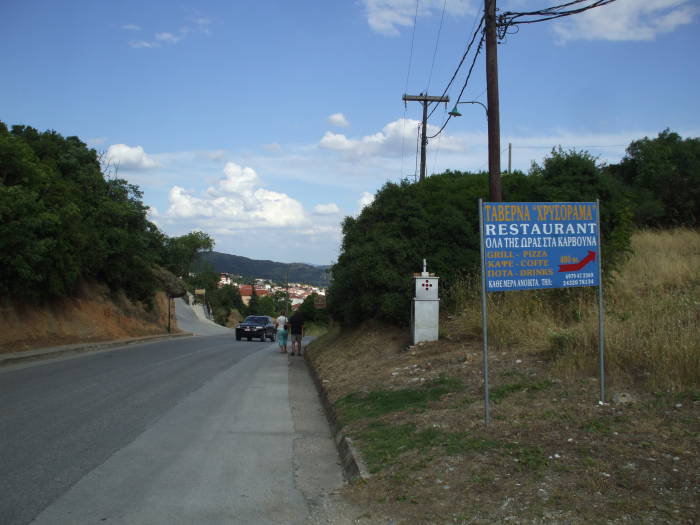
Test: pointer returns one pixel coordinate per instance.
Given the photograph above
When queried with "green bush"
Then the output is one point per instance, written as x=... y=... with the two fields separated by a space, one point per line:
x=437 y=219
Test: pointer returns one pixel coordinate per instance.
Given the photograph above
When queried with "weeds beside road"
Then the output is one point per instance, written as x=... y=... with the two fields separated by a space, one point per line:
x=552 y=453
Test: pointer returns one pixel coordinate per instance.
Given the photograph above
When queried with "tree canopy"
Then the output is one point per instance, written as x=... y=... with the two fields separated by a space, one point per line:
x=656 y=184
x=62 y=220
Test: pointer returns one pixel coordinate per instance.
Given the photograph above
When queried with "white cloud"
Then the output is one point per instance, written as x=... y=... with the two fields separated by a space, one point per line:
x=391 y=141
x=387 y=16
x=194 y=25
x=96 y=141
x=217 y=154
x=143 y=44
x=628 y=20
x=326 y=209
x=129 y=157
x=168 y=38
x=338 y=120
x=365 y=200
x=237 y=202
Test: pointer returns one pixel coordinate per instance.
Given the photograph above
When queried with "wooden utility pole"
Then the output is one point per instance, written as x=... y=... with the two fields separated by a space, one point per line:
x=510 y=156
x=426 y=101
x=492 y=98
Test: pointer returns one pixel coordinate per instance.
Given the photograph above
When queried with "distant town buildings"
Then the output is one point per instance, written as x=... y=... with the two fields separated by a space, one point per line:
x=297 y=291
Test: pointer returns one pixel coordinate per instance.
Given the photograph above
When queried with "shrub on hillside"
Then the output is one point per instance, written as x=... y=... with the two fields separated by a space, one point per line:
x=437 y=219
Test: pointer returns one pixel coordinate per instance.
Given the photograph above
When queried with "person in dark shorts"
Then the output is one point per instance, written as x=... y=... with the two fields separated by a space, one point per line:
x=296 y=323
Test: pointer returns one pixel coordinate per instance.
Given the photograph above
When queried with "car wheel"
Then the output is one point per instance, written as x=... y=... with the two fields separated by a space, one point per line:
x=238 y=338
x=249 y=338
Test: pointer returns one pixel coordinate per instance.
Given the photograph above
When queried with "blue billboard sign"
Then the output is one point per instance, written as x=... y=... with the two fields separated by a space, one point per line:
x=534 y=245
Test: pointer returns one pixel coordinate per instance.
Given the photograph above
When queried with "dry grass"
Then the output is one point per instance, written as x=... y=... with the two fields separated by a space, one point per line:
x=93 y=315
x=552 y=454
x=652 y=316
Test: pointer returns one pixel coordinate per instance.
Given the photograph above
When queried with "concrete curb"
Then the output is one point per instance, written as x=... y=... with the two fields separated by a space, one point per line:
x=79 y=348
x=353 y=464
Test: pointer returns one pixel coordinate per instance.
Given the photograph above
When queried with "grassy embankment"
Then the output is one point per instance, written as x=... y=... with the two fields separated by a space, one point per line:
x=552 y=453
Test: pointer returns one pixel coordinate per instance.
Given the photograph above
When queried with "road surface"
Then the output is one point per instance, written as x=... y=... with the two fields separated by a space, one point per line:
x=201 y=429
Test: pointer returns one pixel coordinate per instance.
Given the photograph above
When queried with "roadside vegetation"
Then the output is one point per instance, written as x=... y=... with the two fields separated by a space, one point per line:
x=552 y=453
x=656 y=185
x=66 y=218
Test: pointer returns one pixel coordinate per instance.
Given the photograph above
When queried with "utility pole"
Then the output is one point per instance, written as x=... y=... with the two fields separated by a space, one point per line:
x=510 y=155
x=494 y=130
x=426 y=101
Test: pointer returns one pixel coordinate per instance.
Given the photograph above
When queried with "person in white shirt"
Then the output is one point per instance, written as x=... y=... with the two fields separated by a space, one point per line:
x=282 y=333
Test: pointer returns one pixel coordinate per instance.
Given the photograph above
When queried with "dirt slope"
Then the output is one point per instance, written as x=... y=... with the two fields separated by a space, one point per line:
x=93 y=315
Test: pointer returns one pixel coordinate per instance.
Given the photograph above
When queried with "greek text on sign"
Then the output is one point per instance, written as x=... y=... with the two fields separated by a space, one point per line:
x=532 y=245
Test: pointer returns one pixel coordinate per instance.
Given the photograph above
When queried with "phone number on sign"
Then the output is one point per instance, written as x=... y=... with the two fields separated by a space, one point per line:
x=578 y=279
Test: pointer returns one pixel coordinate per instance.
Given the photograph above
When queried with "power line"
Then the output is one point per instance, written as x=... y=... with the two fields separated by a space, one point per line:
x=509 y=19
x=464 y=57
x=410 y=57
x=408 y=75
x=572 y=146
x=466 y=81
x=418 y=133
x=437 y=41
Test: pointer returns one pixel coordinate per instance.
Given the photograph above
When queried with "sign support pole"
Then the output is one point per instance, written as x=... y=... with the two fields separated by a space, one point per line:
x=484 y=318
x=601 y=312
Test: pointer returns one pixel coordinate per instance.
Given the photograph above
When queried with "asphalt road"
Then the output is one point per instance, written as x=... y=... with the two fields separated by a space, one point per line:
x=188 y=430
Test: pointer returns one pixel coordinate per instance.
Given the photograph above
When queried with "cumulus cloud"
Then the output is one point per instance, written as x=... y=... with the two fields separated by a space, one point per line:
x=193 y=25
x=237 y=202
x=338 y=120
x=388 y=142
x=326 y=209
x=129 y=157
x=168 y=38
x=387 y=16
x=365 y=200
x=137 y=44
x=628 y=20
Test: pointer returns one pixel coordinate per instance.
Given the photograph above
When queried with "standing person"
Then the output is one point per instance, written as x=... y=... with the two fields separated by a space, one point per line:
x=282 y=322
x=296 y=323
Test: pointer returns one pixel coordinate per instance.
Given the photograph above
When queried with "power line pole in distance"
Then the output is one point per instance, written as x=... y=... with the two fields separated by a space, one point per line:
x=426 y=101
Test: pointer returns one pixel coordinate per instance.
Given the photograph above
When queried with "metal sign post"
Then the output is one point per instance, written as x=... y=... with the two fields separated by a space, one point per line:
x=601 y=320
x=484 y=320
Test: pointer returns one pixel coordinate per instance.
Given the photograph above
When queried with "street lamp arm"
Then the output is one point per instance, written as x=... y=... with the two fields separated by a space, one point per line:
x=456 y=113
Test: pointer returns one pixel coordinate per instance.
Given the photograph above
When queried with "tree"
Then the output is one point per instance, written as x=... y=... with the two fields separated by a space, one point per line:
x=62 y=222
x=223 y=300
x=181 y=252
x=253 y=305
x=438 y=219
x=663 y=179
x=383 y=247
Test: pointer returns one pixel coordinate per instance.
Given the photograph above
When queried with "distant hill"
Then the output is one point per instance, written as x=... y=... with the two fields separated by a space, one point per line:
x=235 y=264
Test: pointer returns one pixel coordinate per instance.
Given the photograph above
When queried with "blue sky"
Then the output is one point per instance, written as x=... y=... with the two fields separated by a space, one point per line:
x=266 y=122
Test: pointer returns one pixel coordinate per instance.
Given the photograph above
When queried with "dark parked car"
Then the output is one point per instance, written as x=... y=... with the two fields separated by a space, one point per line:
x=258 y=326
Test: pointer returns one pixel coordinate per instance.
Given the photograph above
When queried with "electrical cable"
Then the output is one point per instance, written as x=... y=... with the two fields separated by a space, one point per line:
x=459 y=66
x=437 y=41
x=408 y=75
x=415 y=173
x=410 y=57
x=509 y=19
x=466 y=81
